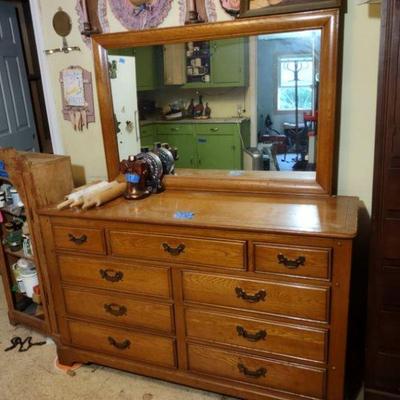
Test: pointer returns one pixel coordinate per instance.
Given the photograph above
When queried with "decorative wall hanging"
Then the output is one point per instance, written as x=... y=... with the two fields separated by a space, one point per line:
x=232 y=7
x=196 y=11
x=140 y=14
x=77 y=96
x=92 y=18
x=250 y=8
x=62 y=26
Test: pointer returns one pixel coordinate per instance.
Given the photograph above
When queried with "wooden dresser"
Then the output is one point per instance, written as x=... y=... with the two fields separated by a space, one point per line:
x=247 y=298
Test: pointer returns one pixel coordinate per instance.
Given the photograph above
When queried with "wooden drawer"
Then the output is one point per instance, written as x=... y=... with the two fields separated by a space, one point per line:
x=255 y=334
x=119 y=309
x=123 y=343
x=79 y=239
x=293 y=300
x=221 y=253
x=174 y=129
x=312 y=263
x=288 y=377
x=137 y=279
x=227 y=129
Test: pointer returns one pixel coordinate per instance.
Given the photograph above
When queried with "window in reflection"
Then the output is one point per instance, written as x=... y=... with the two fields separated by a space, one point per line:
x=247 y=103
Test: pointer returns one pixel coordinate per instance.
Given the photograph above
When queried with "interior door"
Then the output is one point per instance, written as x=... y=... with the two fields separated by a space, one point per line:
x=17 y=124
x=125 y=105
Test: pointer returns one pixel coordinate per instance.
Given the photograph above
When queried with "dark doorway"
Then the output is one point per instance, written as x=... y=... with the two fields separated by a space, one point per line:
x=24 y=124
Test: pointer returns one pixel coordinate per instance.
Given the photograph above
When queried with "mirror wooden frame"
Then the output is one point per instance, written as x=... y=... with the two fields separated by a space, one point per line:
x=314 y=183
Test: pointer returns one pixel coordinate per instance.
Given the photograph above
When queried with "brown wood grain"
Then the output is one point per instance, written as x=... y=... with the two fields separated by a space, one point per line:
x=142 y=346
x=140 y=279
x=137 y=313
x=316 y=264
x=30 y=174
x=382 y=378
x=287 y=377
x=305 y=319
x=230 y=254
x=319 y=217
x=327 y=21
x=92 y=239
x=280 y=338
x=291 y=300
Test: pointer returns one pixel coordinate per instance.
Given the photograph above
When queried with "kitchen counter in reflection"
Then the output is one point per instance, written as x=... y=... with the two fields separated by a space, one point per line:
x=231 y=120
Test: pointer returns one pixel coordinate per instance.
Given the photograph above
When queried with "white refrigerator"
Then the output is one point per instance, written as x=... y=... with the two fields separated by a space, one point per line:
x=124 y=93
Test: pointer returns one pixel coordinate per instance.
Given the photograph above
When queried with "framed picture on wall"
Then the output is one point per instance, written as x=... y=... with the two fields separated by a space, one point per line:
x=251 y=8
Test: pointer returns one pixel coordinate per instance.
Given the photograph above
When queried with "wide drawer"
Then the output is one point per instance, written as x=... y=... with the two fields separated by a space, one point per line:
x=119 y=309
x=307 y=262
x=255 y=334
x=137 y=279
x=222 y=253
x=79 y=239
x=139 y=346
x=174 y=129
x=227 y=129
x=293 y=300
x=288 y=377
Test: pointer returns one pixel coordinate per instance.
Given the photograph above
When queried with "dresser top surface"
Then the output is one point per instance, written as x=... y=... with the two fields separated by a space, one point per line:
x=328 y=217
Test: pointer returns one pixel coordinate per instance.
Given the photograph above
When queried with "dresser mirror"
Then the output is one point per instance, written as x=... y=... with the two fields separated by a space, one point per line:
x=249 y=104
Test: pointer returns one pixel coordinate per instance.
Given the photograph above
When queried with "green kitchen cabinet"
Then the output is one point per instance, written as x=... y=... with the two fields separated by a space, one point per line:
x=147 y=136
x=216 y=151
x=201 y=145
x=148 y=65
x=148 y=71
x=219 y=146
x=181 y=137
x=229 y=64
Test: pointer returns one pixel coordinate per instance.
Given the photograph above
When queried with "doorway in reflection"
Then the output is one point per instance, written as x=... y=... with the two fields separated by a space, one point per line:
x=288 y=66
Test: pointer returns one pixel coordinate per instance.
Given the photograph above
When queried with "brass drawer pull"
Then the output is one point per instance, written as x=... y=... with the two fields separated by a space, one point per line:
x=175 y=251
x=77 y=240
x=291 y=264
x=260 y=372
x=251 y=298
x=214 y=129
x=106 y=274
x=119 y=345
x=115 y=309
x=251 y=337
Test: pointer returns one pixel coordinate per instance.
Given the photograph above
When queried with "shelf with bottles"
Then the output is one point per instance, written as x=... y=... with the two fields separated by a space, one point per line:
x=198 y=62
x=19 y=262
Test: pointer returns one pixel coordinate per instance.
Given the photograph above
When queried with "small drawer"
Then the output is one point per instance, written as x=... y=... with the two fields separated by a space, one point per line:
x=306 y=262
x=287 y=377
x=119 y=309
x=81 y=239
x=254 y=334
x=144 y=347
x=136 y=279
x=292 y=300
x=219 y=253
x=225 y=129
x=174 y=129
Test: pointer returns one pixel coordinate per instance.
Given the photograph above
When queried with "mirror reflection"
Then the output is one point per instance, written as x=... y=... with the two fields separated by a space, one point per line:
x=248 y=103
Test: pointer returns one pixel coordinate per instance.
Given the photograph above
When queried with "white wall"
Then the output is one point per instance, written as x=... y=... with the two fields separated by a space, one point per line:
x=358 y=105
x=359 y=96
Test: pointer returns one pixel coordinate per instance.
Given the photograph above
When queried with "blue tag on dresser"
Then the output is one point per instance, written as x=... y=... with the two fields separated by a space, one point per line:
x=236 y=173
x=184 y=215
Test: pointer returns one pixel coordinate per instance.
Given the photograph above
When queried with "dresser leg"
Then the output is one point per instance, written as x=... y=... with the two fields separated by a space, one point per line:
x=65 y=357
